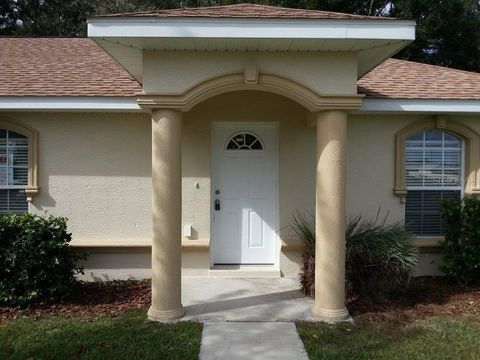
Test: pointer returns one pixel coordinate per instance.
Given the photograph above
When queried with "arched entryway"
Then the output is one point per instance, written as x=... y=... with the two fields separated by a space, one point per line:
x=329 y=113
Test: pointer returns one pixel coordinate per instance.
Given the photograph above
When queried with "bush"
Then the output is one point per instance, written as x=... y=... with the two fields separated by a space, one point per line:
x=461 y=245
x=379 y=257
x=36 y=261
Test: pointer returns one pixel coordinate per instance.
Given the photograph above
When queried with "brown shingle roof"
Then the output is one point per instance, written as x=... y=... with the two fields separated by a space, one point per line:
x=246 y=11
x=60 y=67
x=78 y=67
x=400 y=79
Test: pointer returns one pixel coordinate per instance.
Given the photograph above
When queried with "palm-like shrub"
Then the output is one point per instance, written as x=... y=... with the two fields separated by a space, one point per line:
x=380 y=257
x=304 y=227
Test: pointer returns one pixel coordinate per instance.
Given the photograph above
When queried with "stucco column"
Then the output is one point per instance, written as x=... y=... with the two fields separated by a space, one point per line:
x=330 y=217
x=167 y=213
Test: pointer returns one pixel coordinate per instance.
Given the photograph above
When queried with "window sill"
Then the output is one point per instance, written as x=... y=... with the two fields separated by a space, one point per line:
x=428 y=242
x=31 y=191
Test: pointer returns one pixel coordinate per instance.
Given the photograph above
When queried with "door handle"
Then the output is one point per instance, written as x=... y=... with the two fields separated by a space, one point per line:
x=217 y=205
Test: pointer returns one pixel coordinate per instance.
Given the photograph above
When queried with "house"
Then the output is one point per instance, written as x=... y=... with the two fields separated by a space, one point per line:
x=206 y=129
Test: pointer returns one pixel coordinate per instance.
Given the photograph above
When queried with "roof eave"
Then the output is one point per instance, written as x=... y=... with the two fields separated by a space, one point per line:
x=245 y=28
x=373 y=105
x=125 y=38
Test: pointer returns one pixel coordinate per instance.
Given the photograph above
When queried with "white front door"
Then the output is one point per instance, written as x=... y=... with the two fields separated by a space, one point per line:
x=244 y=193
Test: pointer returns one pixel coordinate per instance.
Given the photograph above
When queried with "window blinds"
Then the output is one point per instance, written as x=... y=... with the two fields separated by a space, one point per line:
x=13 y=172
x=433 y=165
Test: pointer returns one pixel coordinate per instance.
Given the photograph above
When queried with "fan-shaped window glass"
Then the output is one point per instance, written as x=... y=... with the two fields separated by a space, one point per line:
x=244 y=141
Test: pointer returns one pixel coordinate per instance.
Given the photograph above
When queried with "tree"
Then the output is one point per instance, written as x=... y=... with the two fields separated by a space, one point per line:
x=448 y=31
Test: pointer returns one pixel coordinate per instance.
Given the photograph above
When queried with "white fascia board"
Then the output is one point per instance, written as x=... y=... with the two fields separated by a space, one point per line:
x=68 y=103
x=458 y=106
x=132 y=27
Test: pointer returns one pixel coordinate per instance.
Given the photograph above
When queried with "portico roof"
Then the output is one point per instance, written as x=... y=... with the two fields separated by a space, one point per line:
x=244 y=11
x=247 y=27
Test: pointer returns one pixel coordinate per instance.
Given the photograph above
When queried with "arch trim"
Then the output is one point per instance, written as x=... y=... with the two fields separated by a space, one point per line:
x=276 y=84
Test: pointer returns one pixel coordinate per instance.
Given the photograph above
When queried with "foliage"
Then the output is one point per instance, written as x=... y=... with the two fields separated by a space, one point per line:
x=304 y=227
x=126 y=336
x=461 y=246
x=379 y=257
x=448 y=32
x=36 y=260
x=433 y=338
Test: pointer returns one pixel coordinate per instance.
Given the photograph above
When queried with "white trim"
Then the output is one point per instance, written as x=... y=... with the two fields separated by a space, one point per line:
x=248 y=28
x=105 y=103
x=69 y=103
x=421 y=105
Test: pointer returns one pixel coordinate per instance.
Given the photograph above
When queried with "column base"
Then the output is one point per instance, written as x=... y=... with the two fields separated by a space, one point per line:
x=165 y=315
x=332 y=316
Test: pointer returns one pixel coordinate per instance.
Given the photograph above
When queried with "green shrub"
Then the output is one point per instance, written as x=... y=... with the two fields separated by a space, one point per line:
x=36 y=261
x=380 y=257
x=304 y=228
x=461 y=246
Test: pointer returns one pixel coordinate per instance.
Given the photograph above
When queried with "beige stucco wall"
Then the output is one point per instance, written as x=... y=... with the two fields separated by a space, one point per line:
x=296 y=141
x=95 y=170
x=177 y=71
x=371 y=161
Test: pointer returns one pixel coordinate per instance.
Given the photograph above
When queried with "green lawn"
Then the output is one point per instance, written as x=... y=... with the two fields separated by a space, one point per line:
x=434 y=338
x=128 y=336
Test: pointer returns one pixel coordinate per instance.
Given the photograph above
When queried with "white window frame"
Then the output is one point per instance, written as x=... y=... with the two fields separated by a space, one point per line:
x=461 y=187
x=462 y=167
x=9 y=168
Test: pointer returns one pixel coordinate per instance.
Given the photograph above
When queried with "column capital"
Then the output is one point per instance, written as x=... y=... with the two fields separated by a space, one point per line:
x=335 y=114
x=172 y=114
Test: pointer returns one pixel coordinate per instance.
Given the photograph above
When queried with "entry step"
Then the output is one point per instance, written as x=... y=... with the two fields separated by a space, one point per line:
x=244 y=271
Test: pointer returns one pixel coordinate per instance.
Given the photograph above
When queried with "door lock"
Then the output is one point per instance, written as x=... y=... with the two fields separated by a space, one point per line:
x=217 y=205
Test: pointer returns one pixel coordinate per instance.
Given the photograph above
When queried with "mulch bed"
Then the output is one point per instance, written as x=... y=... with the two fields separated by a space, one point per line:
x=92 y=301
x=425 y=297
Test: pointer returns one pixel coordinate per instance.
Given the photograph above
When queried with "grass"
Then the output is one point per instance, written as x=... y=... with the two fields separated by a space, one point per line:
x=128 y=336
x=432 y=338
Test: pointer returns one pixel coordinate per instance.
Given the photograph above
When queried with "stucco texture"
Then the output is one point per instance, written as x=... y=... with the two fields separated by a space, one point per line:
x=95 y=169
x=170 y=72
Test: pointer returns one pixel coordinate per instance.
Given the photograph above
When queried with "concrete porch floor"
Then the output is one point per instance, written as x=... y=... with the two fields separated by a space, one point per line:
x=244 y=299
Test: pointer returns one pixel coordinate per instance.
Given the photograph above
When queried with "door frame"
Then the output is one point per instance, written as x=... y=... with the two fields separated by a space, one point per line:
x=276 y=157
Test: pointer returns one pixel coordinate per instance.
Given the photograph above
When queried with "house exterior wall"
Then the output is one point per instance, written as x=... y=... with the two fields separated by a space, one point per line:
x=95 y=170
x=167 y=72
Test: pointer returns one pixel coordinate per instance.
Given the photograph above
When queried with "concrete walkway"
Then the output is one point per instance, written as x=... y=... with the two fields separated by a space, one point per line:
x=244 y=299
x=247 y=318
x=252 y=341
